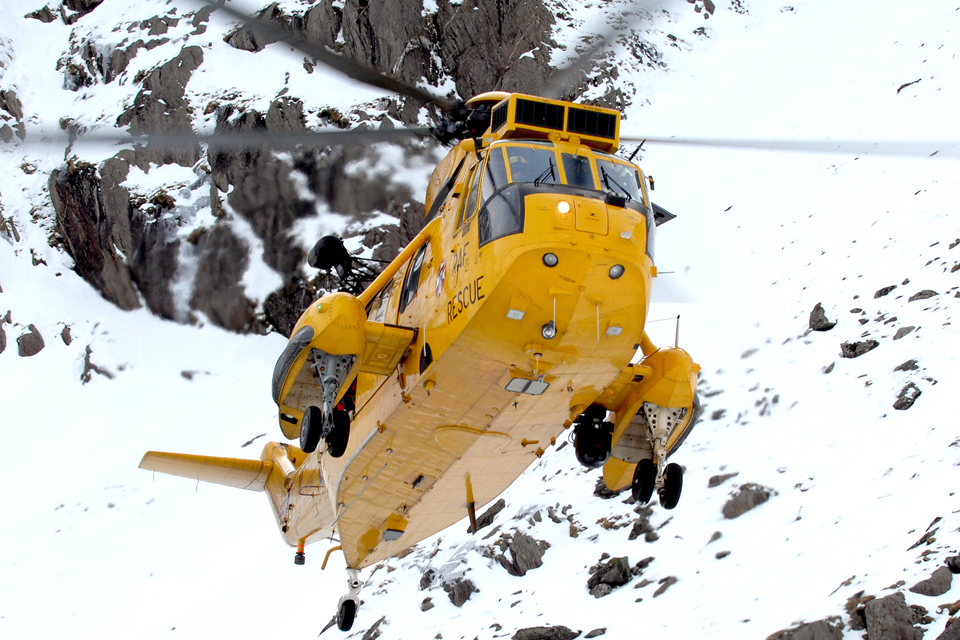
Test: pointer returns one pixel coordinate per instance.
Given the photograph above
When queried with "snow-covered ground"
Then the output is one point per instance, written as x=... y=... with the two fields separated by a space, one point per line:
x=90 y=546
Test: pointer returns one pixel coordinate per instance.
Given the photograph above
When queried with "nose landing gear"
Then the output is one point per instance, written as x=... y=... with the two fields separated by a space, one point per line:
x=348 y=605
x=666 y=479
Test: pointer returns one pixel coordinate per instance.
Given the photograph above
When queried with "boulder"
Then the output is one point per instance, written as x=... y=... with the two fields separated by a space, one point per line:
x=908 y=395
x=545 y=633
x=890 y=618
x=460 y=590
x=884 y=291
x=936 y=585
x=746 y=498
x=819 y=630
x=909 y=365
x=818 y=319
x=952 y=632
x=717 y=480
x=613 y=573
x=953 y=563
x=902 y=331
x=527 y=553
x=857 y=349
x=923 y=295
x=30 y=343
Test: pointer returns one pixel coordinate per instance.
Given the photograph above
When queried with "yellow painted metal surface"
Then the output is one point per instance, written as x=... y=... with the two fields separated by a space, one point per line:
x=231 y=472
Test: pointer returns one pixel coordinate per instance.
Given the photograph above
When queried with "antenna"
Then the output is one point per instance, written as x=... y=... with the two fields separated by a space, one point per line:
x=676 y=340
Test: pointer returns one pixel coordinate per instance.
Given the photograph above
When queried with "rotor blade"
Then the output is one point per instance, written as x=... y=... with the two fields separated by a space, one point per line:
x=942 y=149
x=564 y=77
x=320 y=53
x=230 y=140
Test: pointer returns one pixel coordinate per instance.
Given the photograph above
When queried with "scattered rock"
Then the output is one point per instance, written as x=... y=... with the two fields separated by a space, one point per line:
x=43 y=15
x=719 y=413
x=64 y=335
x=642 y=525
x=746 y=498
x=545 y=633
x=602 y=491
x=716 y=481
x=3 y=338
x=829 y=367
x=922 y=295
x=818 y=319
x=664 y=585
x=857 y=349
x=884 y=291
x=426 y=580
x=828 y=629
x=857 y=610
x=722 y=554
x=596 y=633
x=716 y=536
x=460 y=590
x=427 y=604
x=527 y=553
x=614 y=573
x=89 y=368
x=909 y=365
x=890 y=618
x=908 y=395
x=936 y=585
x=486 y=518
x=30 y=343
x=902 y=331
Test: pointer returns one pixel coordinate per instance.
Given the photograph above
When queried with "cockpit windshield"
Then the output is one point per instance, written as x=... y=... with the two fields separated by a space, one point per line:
x=539 y=165
x=533 y=164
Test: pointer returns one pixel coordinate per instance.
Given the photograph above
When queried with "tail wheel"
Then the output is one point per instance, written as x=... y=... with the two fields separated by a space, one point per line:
x=346 y=614
x=644 y=479
x=672 y=486
x=310 y=429
x=340 y=435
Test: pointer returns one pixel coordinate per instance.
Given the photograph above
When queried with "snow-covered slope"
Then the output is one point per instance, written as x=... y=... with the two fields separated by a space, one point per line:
x=92 y=547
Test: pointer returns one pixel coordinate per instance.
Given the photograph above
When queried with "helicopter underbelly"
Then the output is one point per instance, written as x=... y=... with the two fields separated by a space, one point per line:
x=417 y=452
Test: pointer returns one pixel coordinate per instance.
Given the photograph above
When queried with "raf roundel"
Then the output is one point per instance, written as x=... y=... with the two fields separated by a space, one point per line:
x=441 y=277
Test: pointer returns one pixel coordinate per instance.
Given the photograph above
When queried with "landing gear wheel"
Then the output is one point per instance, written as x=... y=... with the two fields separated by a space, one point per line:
x=592 y=445
x=310 y=429
x=340 y=435
x=644 y=479
x=346 y=613
x=672 y=486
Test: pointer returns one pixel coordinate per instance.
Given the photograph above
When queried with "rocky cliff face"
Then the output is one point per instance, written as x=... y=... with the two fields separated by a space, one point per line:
x=187 y=258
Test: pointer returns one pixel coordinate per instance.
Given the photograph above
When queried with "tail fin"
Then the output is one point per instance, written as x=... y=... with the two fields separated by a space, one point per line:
x=231 y=472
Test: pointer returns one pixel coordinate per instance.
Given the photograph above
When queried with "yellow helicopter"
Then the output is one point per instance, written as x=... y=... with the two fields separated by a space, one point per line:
x=513 y=316
x=419 y=394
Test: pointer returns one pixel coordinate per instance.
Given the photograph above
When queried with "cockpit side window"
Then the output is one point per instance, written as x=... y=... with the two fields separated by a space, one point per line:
x=470 y=202
x=620 y=178
x=412 y=281
x=578 y=170
x=532 y=164
x=496 y=174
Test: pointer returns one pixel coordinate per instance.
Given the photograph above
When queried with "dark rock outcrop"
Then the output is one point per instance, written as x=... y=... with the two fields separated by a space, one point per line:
x=43 y=15
x=818 y=319
x=884 y=291
x=953 y=563
x=902 y=331
x=890 y=618
x=527 y=553
x=936 y=585
x=460 y=590
x=908 y=395
x=609 y=575
x=746 y=498
x=857 y=349
x=218 y=292
x=30 y=343
x=922 y=295
x=909 y=365
x=92 y=233
x=819 y=630
x=3 y=338
x=161 y=107
x=545 y=633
